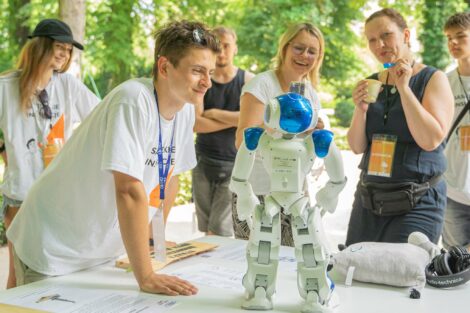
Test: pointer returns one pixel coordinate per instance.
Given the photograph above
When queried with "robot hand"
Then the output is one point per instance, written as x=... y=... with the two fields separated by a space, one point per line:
x=245 y=205
x=327 y=197
x=246 y=198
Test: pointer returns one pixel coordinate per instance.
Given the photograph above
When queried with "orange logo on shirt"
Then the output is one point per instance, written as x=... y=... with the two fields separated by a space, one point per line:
x=57 y=131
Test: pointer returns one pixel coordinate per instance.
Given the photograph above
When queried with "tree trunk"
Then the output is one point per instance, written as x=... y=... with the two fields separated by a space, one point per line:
x=73 y=13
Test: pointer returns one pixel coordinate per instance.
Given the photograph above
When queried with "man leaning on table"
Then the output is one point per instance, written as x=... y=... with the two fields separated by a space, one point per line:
x=95 y=195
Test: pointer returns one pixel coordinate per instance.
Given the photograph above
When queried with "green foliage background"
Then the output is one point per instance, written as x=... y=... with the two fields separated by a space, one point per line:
x=119 y=40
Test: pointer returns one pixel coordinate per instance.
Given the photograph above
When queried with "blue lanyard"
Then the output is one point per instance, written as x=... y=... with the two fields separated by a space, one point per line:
x=163 y=171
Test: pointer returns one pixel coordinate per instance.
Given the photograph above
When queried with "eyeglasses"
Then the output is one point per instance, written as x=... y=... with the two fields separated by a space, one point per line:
x=45 y=111
x=198 y=36
x=299 y=49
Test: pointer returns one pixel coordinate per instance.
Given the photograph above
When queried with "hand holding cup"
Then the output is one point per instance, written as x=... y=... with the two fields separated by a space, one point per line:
x=373 y=90
x=365 y=92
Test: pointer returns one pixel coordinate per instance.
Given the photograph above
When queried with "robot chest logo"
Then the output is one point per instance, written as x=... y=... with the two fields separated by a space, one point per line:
x=284 y=164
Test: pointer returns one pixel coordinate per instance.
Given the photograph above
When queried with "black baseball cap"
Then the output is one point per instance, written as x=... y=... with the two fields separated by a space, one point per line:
x=57 y=30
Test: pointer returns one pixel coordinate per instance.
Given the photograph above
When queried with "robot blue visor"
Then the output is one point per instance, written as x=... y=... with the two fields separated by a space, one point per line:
x=296 y=113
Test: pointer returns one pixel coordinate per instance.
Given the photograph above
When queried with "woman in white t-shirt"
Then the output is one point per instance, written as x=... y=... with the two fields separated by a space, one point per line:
x=39 y=104
x=299 y=58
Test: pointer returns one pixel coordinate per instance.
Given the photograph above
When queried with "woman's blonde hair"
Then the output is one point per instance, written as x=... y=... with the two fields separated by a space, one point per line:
x=33 y=63
x=286 y=38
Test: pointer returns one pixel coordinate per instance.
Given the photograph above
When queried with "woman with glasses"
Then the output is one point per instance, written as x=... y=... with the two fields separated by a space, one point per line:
x=299 y=58
x=39 y=104
x=401 y=137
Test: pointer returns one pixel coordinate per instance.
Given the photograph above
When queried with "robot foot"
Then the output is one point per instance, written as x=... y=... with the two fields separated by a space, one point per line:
x=312 y=305
x=259 y=301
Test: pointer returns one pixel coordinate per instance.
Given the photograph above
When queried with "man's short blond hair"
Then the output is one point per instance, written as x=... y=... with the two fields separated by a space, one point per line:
x=222 y=30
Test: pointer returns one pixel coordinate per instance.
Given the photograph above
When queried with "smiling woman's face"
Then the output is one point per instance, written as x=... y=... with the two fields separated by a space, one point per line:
x=302 y=53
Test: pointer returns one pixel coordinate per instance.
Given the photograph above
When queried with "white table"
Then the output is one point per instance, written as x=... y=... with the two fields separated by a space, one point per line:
x=359 y=297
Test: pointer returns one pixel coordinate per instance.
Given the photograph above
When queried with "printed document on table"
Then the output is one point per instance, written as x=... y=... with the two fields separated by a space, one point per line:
x=233 y=252
x=65 y=299
x=217 y=276
x=237 y=253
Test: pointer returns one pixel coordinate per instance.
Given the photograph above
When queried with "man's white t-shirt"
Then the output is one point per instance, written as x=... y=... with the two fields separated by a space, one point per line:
x=457 y=174
x=264 y=87
x=70 y=102
x=68 y=221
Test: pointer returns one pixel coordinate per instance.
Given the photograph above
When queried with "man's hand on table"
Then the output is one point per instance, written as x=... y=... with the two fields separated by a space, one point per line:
x=167 y=285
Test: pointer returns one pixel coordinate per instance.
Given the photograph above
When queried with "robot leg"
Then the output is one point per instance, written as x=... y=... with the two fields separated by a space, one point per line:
x=312 y=261
x=262 y=258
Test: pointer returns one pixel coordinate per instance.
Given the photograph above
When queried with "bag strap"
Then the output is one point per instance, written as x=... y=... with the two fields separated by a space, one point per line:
x=458 y=119
x=429 y=184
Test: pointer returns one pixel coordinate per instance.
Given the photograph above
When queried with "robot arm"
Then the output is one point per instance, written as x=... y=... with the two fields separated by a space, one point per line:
x=327 y=197
x=246 y=198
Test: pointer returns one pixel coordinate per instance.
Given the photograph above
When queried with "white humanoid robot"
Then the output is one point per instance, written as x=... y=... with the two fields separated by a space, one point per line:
x=288 y=152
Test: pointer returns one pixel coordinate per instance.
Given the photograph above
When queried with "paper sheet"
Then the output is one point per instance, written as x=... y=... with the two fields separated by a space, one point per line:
x=212 y=275
x=237 y=253
x=76 y=300
x=234 y=252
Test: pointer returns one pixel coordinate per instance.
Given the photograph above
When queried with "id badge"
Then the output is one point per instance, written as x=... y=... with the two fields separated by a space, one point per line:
x=464 y=138
x=381 y=155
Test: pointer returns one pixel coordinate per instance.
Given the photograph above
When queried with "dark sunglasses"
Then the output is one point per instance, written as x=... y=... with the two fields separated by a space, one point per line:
x=199 y=36
x=45 y=111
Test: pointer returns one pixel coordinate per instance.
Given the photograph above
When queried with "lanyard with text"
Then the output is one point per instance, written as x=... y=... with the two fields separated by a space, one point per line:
x=163 y=169
x=158 y=221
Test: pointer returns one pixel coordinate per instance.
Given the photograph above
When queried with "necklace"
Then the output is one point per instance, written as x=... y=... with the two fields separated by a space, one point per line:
x=388 y=105
x=461 y=84
x=388 y=101
x=394 y=88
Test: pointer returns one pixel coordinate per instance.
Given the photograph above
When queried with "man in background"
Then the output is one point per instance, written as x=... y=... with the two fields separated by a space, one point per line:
x=216 y=123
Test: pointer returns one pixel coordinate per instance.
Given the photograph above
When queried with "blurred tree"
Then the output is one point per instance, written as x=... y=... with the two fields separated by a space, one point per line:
x=110 y=49
x=342 y=64
x=13 y=29
x=17 y=27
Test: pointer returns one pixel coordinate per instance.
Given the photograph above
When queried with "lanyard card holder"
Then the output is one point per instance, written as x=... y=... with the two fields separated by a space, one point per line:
x=158 y=230
x=464 y=138
x=381 y=155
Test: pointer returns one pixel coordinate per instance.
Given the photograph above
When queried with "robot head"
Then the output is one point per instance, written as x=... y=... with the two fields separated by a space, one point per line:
x=290 y=113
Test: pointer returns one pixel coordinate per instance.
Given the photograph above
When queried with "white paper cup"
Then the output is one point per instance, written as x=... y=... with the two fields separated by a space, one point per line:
x=373 y=89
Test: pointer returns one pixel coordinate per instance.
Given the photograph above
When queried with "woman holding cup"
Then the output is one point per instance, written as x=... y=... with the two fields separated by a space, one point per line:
x=401 y=137
x=39 y=105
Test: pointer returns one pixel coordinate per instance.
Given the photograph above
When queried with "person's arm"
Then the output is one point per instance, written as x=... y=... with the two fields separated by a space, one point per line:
x=429 y=123
x=357 y=130
x=223 y=116
x=227 y=117
x=204 y=124
x=132 y=205
x=171 y=192
x=251 y=114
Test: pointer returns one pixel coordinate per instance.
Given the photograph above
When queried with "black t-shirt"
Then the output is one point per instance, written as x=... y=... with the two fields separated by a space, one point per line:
x=220 y=145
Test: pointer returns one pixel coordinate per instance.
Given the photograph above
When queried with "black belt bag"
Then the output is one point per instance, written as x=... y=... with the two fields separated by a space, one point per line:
x=390 y=199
